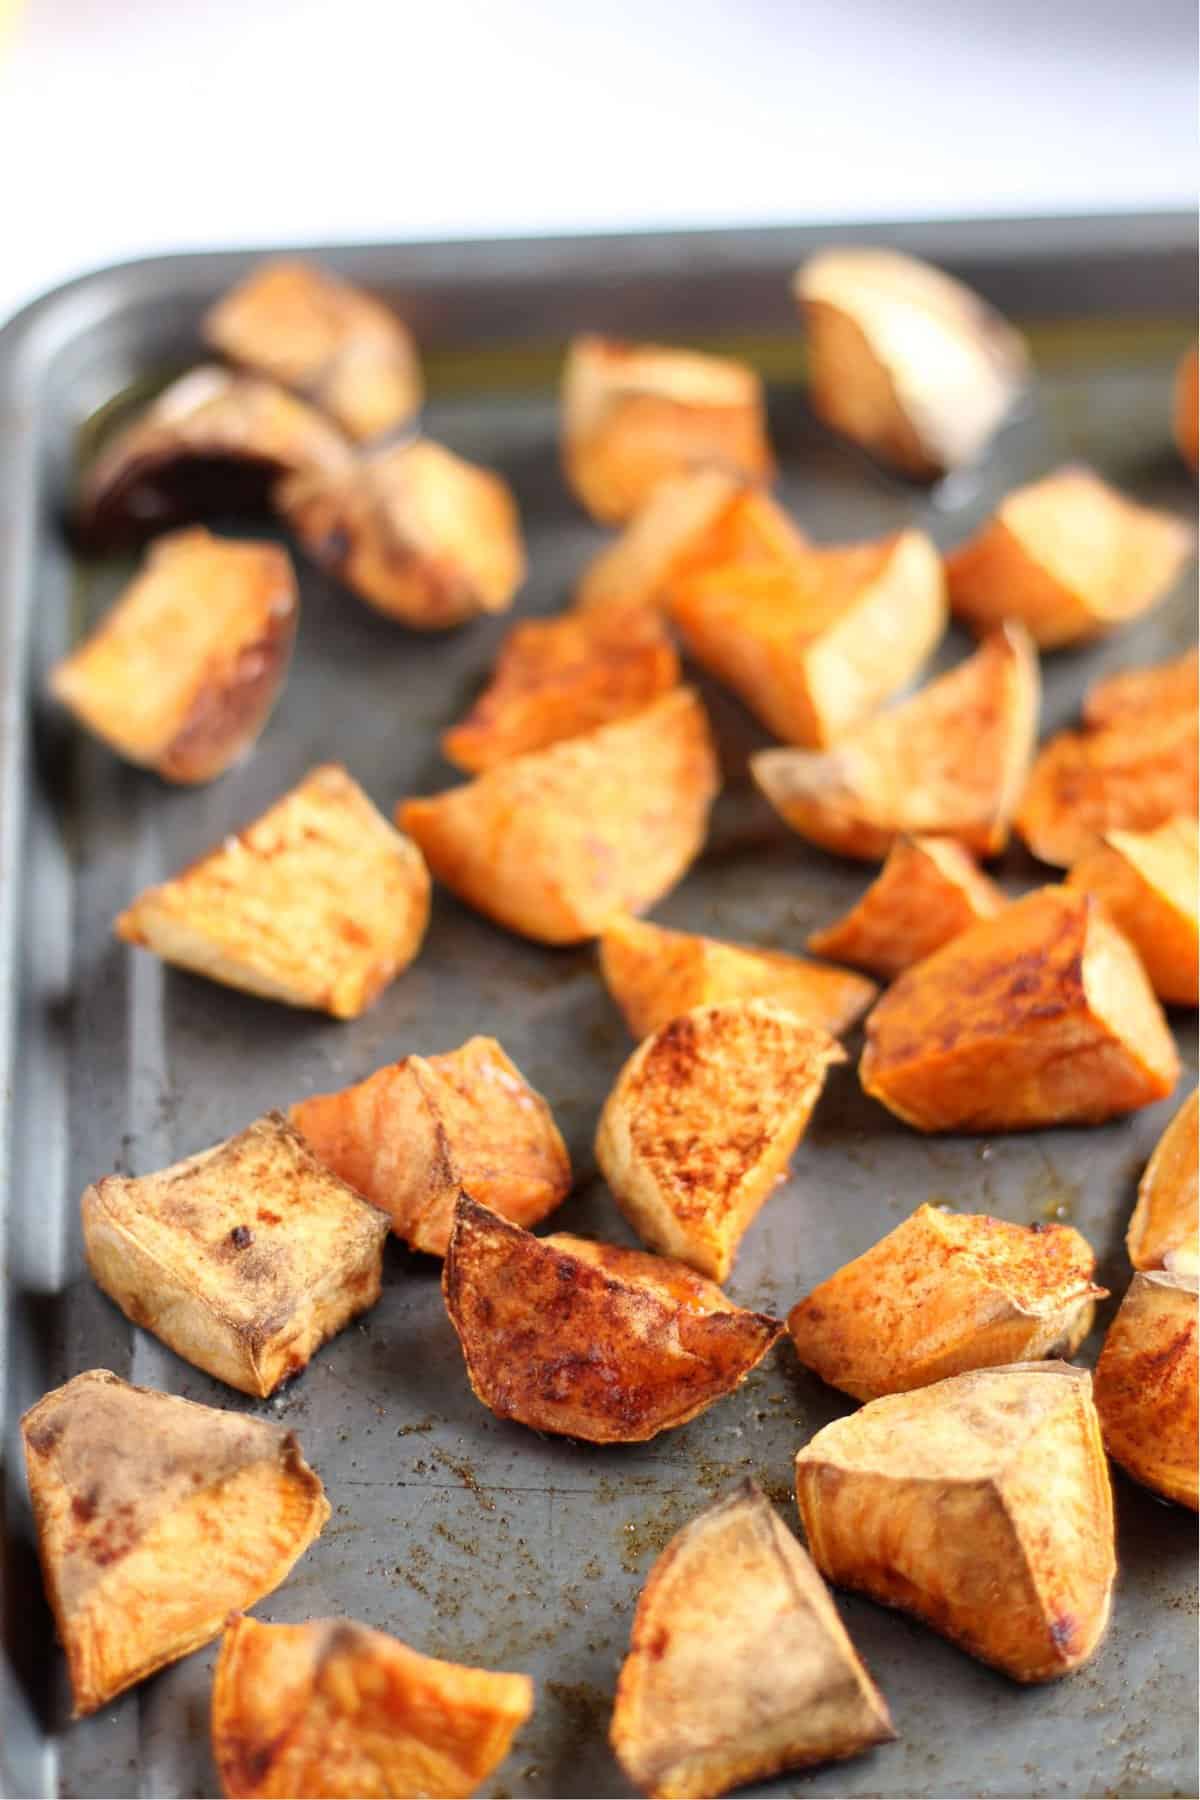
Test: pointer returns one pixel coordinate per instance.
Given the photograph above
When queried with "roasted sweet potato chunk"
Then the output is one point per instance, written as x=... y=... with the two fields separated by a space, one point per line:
x=943 y=1293
x=982 y=1504
x=739 y=1665
x=927 y=892
x=1164 y=1232
x=338 y=346
x=156 y=1518
x=318 y=903
x=905 y=360
x=415 y=1133
x=635 y=414
x=950 y=762
x=554 y=843
x=1146 y=1382
x=244 y=1259
x=1040 y=1016
x=702 y=1121
x=590 y=1340
x=1148 y=880
x=1185 y=407
x=332 y=1710
x=1148 y=694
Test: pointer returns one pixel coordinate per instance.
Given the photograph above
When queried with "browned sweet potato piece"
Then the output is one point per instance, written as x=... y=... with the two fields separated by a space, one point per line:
x=1152 y=693
x=156 y=1518
x=334 y=1711
x=982 y=1504
x=1148 y=880
x=1146 y=1385
x=590 y=1340
x=1129 y=776
x=927 y=892
x=416 y=1132
x=739 y=1665
x=1164 y=1232
x=1185 y=423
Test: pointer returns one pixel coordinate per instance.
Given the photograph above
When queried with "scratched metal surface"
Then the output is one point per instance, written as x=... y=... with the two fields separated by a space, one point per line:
x=469 y=1538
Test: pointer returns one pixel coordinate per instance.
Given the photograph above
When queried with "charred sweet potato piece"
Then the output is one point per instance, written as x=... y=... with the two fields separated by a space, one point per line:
x=156 y=1518
x=1185 y=422
x=332 y=1710
x=244 y=1259
x=927 y=892
x=1146 y=1385
x=1148 y=880
x=1129 y=776
x=950 y=762
x=318 y=903
x=340 y=347
x=905 y=360
x=1164 y=688
x=982 y=1505
x=554 y=843
x=943 y=1293
x=1164 y=1232
x=590 y=1340
x=418 y=533
x=634 y=414
x=701 y=1123
x=739 y=1665
x=415 y=1133
x=1040 y=1016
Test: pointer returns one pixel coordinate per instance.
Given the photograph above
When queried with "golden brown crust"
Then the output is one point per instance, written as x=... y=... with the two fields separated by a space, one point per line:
x=927 y=892
x=1185 y=423
x=1164 y=1231
x=1129 y=776
x=1146 y=1385
x=1169 y=687
x=1149 y=881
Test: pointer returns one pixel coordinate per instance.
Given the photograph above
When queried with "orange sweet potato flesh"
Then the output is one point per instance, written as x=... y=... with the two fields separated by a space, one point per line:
x=927 y=892
x=1164 y=1231
x=1146 y=1385
x=1148 y=880
x=1186 y=406
x=1169 y=687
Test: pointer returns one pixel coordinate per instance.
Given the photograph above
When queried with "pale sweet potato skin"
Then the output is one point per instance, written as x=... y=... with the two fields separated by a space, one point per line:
x=928 y=891
x=1148 y=880
x=1146 y=1385
x=1164 y=1231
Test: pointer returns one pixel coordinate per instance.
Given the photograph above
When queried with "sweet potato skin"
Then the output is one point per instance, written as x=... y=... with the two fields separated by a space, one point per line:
x=927 y=892
x=1146 y=1385
x=1164 y=1231
x=1148 y=881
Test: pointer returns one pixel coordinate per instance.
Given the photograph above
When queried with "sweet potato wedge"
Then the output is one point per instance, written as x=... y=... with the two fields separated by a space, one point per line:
x=950 y=762
x=739 y=1665
x=1129 y=776
x=927 y=892
x=1185 y=423
x=982 y=1505
x=1040 y=1016
x=590 y=1340
x=702 y=1121
x=332 y=1710
x=415 y=1133
x=1146 y=1382
x=554 y=843
x=1164 y=1232
x=156 y=1518
x=1149 y=881
x=1148 y=694
x=245 y=1259
x=318 y=903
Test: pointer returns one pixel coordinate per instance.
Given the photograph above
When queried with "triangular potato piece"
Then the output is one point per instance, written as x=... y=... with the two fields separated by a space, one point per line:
x=927 y=892
x=1146 y=1385
x=982 y=1505
x=1150 y=883
x=1040 y=1016
x=156 y=1519
x=332 y=1708
x=702 y=1120
x=318 y=903
x=1164 y=1232
x=1170 y=687
x=943 y=1293
x=554 y=843
x=1185 y=408
x=738 y=1665
x=950 y=762
x=590 y=1340
x=416 y=1132
x=654 y=975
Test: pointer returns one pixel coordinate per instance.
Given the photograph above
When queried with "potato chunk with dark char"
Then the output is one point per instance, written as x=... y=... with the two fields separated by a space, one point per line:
x=1149 y=881
x=1164 y=1232
x=1146 y=1385
x=927 y=892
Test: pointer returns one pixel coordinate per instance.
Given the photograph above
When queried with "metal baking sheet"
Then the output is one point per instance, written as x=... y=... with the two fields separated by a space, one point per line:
x=469 y=1538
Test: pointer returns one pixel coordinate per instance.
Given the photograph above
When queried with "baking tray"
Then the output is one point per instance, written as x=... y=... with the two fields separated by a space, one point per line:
x=470 y=1538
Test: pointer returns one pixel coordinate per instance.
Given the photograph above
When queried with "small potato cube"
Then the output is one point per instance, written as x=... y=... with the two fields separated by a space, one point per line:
x=1040 y=1016
x=418 y=533
x=1145 y=694
x=739 y=1665
x=156 y=1519
x=318 y=903
x=1146 y=1382
x=927 y=892
x=1164 y=1232
x=1132 y=775
x=635 y=414
x=1185 y=421
x=589 y=1340
x=244 y=1259
x=334 y=1711
x=982 y=1505
x=414 y=1134
x=702 y=1121
x=1149 y=881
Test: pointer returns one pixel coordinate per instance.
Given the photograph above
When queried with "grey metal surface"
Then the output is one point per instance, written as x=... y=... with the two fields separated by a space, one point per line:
x=470 y=1538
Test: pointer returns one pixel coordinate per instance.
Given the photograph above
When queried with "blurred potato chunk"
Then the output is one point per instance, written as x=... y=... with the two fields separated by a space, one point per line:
x=739 y=1665
x=943 y=1293
x=927 y=892
x=415 y=1133
x=1040 y=1016
x=554 y=843
x=334 y=1711
x=702 y=1121
x=318 y=903
x=635 y=414
x=982 y=1505
x=181 y=674
x=589 y=1340
x=245 y=1259
x=905 y=360
x=1146 y=1385
x=338 y=346
x=1149 y=880
x=1163 y=688
x=950 y=762
x=1164 y=1232
x=1185 y=421
x=156 y=1519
